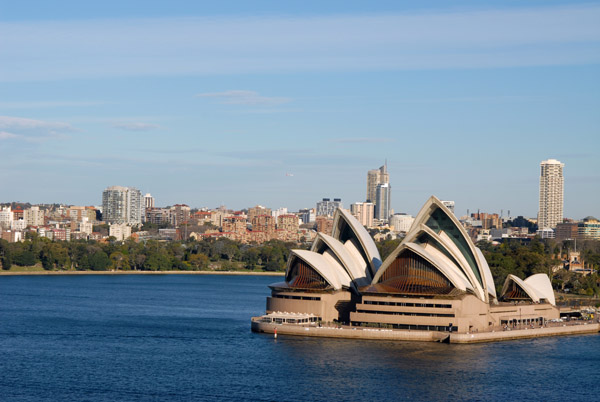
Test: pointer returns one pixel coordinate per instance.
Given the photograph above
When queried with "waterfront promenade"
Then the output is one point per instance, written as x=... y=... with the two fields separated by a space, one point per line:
x=494 y=335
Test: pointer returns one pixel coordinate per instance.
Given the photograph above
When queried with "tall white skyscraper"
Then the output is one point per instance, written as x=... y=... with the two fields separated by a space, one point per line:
x=551 y=194
x=382 y=201
x=148 y=201
x=122 y=205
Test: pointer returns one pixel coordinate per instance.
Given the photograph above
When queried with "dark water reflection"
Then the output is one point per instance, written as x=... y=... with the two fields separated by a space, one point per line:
x=188 y=338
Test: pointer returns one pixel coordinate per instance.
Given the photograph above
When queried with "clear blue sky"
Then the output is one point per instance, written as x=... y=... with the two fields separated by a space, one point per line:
x=210 y=103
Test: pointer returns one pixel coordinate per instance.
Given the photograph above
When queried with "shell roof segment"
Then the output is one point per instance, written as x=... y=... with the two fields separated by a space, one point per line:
x=324 y=265
x=347 y=228
x=354 y=265
x=541 y=284
x=537 y=287
x=436 y=258
x=436 y=228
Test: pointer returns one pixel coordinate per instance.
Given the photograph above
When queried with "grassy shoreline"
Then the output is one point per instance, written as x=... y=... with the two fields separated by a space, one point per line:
x=26 y=273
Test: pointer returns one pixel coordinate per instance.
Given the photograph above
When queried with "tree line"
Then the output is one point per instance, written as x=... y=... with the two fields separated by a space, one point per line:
x=509 y=257
x=151 y=255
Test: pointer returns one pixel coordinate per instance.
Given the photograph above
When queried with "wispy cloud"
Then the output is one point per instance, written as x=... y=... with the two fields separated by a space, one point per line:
x=243 y=97
x=136 y=126
x=546 y=35
x=46 y=104
x=4 y=135
x=361 y=140
x=478 y=99
x=32 y=130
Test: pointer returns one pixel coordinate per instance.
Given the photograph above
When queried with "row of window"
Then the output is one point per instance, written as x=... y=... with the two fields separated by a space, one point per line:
x=440 y=328
x=277 y=296
x=404 y=313
x=281 y=320
x=402 y=304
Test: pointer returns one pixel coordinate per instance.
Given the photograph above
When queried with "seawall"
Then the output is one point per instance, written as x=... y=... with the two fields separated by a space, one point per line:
x=350 y=333
x=423 y=336
x=576 y=329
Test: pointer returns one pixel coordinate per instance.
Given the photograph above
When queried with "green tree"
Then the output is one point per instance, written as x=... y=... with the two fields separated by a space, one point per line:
x=5 y=255
x=46 y=257
x=99 y=261
x=157 y=262
x=119 y=261
x=386 y=247
x=251 y=257
x=24 y=258
x=198 y=261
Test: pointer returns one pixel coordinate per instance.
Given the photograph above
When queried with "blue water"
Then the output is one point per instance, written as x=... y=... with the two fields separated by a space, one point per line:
x=176 y=337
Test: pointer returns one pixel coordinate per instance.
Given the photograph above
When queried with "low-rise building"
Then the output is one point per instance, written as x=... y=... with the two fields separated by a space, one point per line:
x=120 y=231
x=324 y=224
x=567 y=231
x=401 y=223
x=589 y=229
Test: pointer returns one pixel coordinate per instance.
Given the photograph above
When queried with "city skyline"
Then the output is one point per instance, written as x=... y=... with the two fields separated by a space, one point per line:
x=211 y=104
x=542 y=189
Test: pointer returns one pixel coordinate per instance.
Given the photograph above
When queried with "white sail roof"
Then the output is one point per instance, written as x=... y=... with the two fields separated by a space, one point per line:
x=444 y=241
x=537 y=287
x=489 y=279
x=542 y=286
x=436 y=258
x=365 y=242
x=326 y=266
x=531 y=293
x=455 y=254
x=353 y=263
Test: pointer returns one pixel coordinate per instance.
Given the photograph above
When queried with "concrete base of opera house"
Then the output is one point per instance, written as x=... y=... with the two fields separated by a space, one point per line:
x=347 y=332
x=566 y=329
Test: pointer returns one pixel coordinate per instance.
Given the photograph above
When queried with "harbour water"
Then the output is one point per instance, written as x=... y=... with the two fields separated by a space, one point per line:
x=187 y=337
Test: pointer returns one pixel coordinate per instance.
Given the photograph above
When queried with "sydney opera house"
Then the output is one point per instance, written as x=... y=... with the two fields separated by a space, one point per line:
x=435 y=280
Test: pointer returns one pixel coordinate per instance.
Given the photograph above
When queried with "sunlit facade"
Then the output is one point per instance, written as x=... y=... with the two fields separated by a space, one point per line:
x=551 y=194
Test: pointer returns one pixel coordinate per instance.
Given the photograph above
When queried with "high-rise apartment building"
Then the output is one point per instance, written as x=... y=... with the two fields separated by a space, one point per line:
x=148 y=201
x=77 y=213
x=34 y=216
x=122 y=205
x=263 y=223
x=374 y=178
x=551 y=194
x=6 y=218
x=326 y=207
x=256 y=211
x=179 y=214
x=288 y=222
x=363 y=212
x=382 y=201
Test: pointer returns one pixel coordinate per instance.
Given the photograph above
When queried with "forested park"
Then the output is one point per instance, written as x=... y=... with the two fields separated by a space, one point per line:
x=509 y=257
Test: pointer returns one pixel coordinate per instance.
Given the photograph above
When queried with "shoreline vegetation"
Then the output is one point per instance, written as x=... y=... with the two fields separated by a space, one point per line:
x=131 y=272
x=41 y=256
